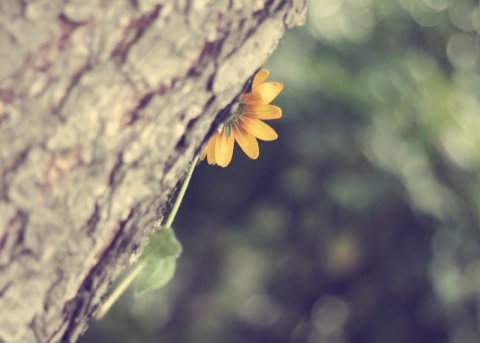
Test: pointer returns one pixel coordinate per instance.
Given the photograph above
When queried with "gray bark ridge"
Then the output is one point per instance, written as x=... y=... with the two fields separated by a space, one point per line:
x=103 y=105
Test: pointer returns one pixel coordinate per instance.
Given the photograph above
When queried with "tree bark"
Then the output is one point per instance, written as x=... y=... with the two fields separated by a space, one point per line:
x=103 y=104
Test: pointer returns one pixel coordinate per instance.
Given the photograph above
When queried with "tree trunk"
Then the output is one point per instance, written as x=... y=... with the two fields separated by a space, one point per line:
x=103 y=104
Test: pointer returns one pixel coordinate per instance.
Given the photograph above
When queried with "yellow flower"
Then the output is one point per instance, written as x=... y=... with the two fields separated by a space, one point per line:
x=246 y=125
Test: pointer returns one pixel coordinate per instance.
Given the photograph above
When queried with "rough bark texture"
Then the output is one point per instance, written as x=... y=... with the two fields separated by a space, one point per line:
x=103 y=105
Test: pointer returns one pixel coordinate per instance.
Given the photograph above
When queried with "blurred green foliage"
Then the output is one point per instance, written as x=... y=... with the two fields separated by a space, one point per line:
x=361 y=222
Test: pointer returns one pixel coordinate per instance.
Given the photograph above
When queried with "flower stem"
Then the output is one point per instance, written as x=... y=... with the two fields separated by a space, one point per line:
x=123 y=285
x=117 y=292
x=180 y=194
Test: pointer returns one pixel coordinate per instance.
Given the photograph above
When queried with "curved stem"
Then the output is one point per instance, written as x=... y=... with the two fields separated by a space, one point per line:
x=123 y=285
x=117 y=292
x=181 y=193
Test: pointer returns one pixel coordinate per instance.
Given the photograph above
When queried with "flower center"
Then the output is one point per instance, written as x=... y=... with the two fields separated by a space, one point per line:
x=236 y=114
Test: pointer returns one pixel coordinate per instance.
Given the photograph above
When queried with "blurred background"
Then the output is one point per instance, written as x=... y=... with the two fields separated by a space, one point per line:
x=361 y=222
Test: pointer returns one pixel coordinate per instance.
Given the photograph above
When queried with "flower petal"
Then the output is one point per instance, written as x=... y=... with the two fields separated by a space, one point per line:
x=203 y=154
x=211 y=149
x=268 y=91
x=257 y=128
x=247 y=142
x=264 y=112
x=224 y=149
x=251 y=98
x=209 y=152
x=260 y=77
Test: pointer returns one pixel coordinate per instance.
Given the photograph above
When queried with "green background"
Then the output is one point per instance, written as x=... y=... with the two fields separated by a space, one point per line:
x=361 y=222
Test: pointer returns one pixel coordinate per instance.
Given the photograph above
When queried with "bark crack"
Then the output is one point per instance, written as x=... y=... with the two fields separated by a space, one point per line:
x=133 y=32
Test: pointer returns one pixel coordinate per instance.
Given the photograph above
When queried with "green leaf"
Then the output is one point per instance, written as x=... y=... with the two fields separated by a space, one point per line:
x=160 y=259
x=155 y=274
x=162 y=244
